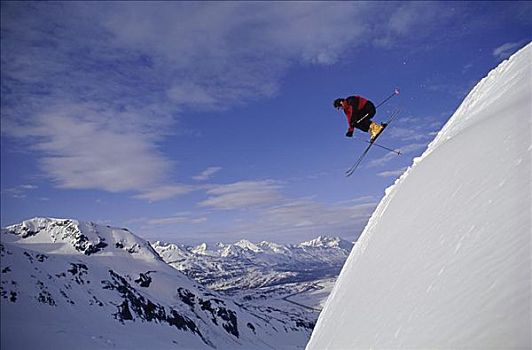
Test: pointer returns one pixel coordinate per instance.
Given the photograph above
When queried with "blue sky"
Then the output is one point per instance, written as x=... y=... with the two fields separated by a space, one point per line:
x=213 y=121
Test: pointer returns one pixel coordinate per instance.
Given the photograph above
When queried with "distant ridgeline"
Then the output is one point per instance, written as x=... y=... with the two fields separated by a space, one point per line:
x=245 y=265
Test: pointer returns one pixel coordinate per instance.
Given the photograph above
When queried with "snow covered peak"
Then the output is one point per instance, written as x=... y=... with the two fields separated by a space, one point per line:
x=327 y=242
x=201 y=249
x=207 y=249
x=245 y=244
x=246 y=248
x=444 y=261
x=174 y=251
x=248 y=265
x=274 y=247
x=65 y=236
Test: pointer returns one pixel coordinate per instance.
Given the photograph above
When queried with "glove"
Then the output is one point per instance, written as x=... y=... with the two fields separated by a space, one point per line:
x=349 y=133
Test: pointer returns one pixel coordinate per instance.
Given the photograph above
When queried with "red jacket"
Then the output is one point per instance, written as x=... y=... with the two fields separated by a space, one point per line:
x=351 y=106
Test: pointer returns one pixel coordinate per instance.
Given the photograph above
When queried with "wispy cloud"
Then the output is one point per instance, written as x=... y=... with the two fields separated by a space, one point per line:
x=207 y=173
x=267 y=210
x=507 y=49
x=243 y=195
x=413 y=133
x=392 y=173
x=177 y=220
x=84 y=146
x=384 y=159
x=89 y=111
x=19 y=192
x=418 y=19
x=160 y=192
x=456 y=89
x=300 y=217
x=315 y=215
x=410 y=127
x=220 y=62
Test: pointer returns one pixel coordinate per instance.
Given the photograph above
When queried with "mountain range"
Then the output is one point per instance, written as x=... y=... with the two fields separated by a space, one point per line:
x=246 y=265
x=72 y=284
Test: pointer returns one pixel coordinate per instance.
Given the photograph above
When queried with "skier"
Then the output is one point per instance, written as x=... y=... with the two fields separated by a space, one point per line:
x=359 y=112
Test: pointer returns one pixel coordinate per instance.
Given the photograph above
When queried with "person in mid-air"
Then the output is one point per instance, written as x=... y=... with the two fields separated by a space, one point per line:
x=359 y=112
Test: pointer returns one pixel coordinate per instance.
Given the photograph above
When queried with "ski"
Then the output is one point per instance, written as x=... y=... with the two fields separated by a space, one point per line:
x=351 y=170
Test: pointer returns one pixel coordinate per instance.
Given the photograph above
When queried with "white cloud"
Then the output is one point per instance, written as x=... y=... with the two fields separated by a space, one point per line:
x=506 y=50
x=162 y=192
x=19 y=192
x=192 y=95
x=413 y=133
x=266 y=210
x=392 y=173
x=384 y=159
x=298 y=219
x=243 y=195
x=409 y=128
x=221 y=53
x=309 y=213
x=83 y=146
x=413 y=147
x=177 y=220
x=415 y=20
x=207 y=173
x=188 y=33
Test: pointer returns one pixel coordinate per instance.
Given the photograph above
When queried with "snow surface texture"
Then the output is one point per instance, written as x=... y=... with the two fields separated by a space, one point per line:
x=445 y=260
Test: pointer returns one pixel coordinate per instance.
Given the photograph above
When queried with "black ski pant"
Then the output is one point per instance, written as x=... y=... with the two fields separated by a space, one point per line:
x=362 y=119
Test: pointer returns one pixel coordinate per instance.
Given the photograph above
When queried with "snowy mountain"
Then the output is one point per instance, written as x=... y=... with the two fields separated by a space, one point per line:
x=69 y=284
x=445 y=260
x=246 y=265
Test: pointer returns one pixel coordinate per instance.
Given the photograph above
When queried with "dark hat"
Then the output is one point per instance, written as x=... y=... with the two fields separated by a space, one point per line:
x=338 y=102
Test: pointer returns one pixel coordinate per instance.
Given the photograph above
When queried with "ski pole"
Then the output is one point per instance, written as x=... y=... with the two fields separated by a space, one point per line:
x=395 y=92
x=386 y=148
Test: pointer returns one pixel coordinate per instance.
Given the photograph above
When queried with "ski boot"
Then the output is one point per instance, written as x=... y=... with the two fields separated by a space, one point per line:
x=375 y=130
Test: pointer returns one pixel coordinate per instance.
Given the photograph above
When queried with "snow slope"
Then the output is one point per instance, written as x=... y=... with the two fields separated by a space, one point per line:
x=445 y=260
